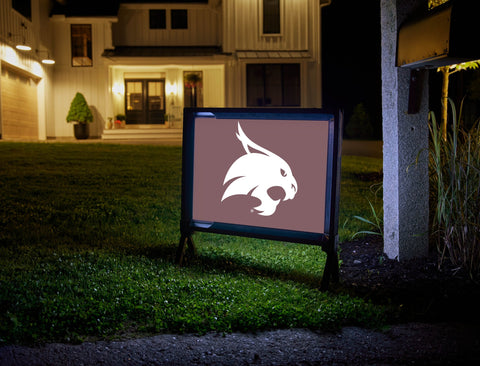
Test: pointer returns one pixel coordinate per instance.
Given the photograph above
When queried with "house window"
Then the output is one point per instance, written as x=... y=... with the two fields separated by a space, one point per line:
x=271 y=16
x=81 y=43
x=270 y=85
x=24 y=7
x=179 y=18
x=158 y=19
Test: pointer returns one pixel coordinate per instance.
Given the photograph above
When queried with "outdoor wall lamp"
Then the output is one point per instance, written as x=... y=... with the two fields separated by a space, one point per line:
x=22 y=44
x=172 y=88
x=118 y=89
x=45 y=60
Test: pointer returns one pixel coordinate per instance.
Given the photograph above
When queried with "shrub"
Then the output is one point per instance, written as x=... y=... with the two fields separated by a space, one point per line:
x=79 y=110
x=359 y=125
x=455 y=182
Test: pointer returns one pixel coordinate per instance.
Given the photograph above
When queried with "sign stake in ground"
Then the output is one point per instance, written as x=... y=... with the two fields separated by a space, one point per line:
x=262 y=173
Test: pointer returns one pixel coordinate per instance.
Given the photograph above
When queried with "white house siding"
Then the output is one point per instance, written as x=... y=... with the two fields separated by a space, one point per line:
x=36 y=32
x=133 y=26
x=298 y=42
x=93 y=84
x=243 y=20
x=91 y=81
x=214 y=87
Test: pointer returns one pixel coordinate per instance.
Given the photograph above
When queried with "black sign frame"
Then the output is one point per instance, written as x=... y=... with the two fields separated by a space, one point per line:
x=328 y=239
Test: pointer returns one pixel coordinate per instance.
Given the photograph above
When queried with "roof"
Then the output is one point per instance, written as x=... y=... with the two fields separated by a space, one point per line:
x=101 y=8
x=163 y=51
x=165 y=1
x=284 y=54
x=85 y=8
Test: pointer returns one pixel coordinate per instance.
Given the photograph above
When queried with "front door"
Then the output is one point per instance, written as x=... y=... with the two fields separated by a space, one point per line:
x=145 y=101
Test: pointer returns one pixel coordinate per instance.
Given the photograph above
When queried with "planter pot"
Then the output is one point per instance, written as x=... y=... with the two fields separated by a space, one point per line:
x=81 y=131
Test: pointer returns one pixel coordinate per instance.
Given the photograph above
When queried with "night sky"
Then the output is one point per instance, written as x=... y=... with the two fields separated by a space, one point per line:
x=351 y=58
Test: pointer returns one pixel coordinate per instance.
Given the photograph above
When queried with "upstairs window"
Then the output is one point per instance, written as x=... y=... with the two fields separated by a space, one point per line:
x=158 y=19
x=81 y=44
x=179 y=18
x=24 y=7
x=271 y=17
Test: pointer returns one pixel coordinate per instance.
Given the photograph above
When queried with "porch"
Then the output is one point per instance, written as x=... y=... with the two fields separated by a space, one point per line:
x=144 y=132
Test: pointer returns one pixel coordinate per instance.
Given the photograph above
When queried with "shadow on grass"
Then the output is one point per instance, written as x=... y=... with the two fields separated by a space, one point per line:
x=213 y=262
x=254 y=269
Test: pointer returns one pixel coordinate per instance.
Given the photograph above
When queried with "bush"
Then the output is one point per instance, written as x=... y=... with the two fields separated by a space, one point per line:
x=455 y=182
x=79 y=110
x=359 y=125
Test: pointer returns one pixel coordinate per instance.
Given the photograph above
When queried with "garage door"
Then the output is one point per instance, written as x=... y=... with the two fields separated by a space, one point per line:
x=19 y=105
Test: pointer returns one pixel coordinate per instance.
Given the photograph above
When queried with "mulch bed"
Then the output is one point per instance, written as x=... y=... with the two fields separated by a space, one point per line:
x=417 y=288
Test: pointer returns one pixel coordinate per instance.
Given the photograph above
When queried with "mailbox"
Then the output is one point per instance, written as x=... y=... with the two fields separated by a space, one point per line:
x=445 y=36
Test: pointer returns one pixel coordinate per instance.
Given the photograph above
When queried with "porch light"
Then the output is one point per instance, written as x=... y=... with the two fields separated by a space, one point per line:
x=46 y=60
x=118 y=88
x=172 y=89
x=22 y=44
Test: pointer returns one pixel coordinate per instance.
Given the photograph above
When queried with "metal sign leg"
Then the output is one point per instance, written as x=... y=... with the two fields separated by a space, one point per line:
x=331 y=271
x=186 y=246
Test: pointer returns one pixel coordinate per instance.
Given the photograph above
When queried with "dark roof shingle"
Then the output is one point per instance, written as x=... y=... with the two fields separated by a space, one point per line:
x=163 y=51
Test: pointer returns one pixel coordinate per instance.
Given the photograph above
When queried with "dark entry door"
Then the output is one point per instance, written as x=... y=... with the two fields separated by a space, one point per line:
x=145 y=101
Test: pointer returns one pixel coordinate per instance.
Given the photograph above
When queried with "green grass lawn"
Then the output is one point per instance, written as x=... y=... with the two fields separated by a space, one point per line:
x=88 y=234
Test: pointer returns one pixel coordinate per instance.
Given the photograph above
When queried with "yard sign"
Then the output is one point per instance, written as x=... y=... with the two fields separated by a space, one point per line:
x=264 y=173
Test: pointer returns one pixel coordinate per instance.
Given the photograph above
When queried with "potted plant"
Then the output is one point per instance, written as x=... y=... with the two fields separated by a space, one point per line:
x=120 y=120
x=81 y=115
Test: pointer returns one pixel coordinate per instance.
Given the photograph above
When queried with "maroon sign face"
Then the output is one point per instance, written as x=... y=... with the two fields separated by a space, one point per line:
x=264 y=173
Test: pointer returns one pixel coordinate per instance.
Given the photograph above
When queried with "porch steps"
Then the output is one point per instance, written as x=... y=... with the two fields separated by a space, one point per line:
x=147 y=133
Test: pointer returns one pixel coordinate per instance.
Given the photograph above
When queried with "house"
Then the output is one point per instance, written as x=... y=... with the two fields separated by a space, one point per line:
x=147 y=60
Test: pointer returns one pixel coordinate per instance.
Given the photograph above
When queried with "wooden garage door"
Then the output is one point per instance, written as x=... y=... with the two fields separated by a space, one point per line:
x=19 y=105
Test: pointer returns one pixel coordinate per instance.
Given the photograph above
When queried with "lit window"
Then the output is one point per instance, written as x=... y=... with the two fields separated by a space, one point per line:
x=81 y=45
x=158 y=19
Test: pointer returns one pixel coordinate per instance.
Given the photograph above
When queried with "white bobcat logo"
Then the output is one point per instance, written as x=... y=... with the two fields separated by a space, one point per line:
x=255 y=173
